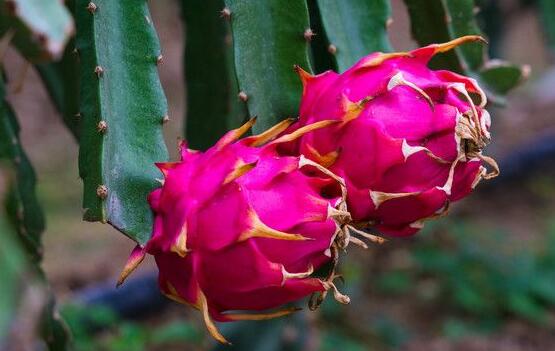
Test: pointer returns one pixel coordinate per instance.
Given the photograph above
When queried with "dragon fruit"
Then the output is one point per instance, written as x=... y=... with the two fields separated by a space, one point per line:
x=409 y=139
x=240 y=228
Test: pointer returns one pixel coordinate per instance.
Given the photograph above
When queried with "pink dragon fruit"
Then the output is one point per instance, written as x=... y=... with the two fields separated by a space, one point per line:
x=239 y=228
x=409 y=141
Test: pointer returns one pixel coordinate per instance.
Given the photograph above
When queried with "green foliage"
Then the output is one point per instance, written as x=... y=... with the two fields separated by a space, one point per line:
x=335 y=340
x=22 y=205
x=268 y=40
x=547 y=14
x=355 y=28
x=122 y=109
x=478 y=278
x=280 y=334
x=41 y=27
x=438 y=21
x=213 y=106
x=25 y=214
x=99 y=328
x=12 y=269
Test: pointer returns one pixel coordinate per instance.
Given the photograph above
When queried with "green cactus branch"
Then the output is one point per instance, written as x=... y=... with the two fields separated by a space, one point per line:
x=435 y=21
x=547 y=14
x=123 y=108
x=26 y=216
x=355 y=28
x=12 y=269
x=24 y=290
x=22 y=204
x=61 y=79
x=266 y=47
x=320 y=56
x=213 y=105
x=42 y=28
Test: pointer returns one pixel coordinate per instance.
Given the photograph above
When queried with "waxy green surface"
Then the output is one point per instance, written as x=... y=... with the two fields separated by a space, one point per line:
x=437 y=21
x=268 y=40
x=356 y=28
x=213 y=105
x=122 y=110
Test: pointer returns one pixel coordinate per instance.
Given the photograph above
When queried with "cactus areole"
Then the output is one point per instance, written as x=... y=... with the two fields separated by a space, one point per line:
x=241 y=228
x=409 y=141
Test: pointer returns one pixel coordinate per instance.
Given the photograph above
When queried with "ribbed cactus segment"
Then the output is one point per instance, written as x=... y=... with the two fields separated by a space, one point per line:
x=269 y=39
x=213 y=105
x=24 y=296
x=22 y=205
x=432 y=22
x=435 y=21
x=12 y=269
x=41 y=28
x=547 y=14
x=26 y=217
x=355 y=28
x=123 y=107
x=320 y=57
x=61 y=79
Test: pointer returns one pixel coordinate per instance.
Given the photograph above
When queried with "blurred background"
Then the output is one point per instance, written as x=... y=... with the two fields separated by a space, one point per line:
x=481 y=279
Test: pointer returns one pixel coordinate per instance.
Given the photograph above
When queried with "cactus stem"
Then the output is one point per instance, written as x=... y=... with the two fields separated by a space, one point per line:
x=332 y=49
x=102 y=127
x=91 y=7
x=99 y=71
x=225 y=13
x=102 y=191
x=243 y=96
x=160 y=59
x=308 y=34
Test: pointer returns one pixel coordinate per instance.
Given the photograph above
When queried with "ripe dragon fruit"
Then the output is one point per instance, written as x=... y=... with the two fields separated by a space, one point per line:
x=240 y=228
x=409 y=141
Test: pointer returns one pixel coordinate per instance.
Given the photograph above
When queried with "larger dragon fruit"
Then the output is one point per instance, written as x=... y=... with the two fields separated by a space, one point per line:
x=410 y=138
x=239 y=228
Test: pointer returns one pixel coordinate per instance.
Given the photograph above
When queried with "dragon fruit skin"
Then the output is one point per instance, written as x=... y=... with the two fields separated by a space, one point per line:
x=239 y=228
x=410 y=140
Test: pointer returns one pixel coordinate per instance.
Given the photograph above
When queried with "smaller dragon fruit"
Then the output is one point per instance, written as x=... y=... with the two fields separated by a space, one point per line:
x=240 y=228
x=409 y=141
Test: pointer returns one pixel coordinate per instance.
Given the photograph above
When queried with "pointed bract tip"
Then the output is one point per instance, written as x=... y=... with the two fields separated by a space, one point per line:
x=303 y=75
x=135 y=258
x=235 y=134
x=271 y=133
x=212 y=329
x=444 y=47
x=165 y=167
x=259 y=316
x=379 y=58
x=180 y=244
x=239 y=169
x=260 y=230
x=306 y=129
